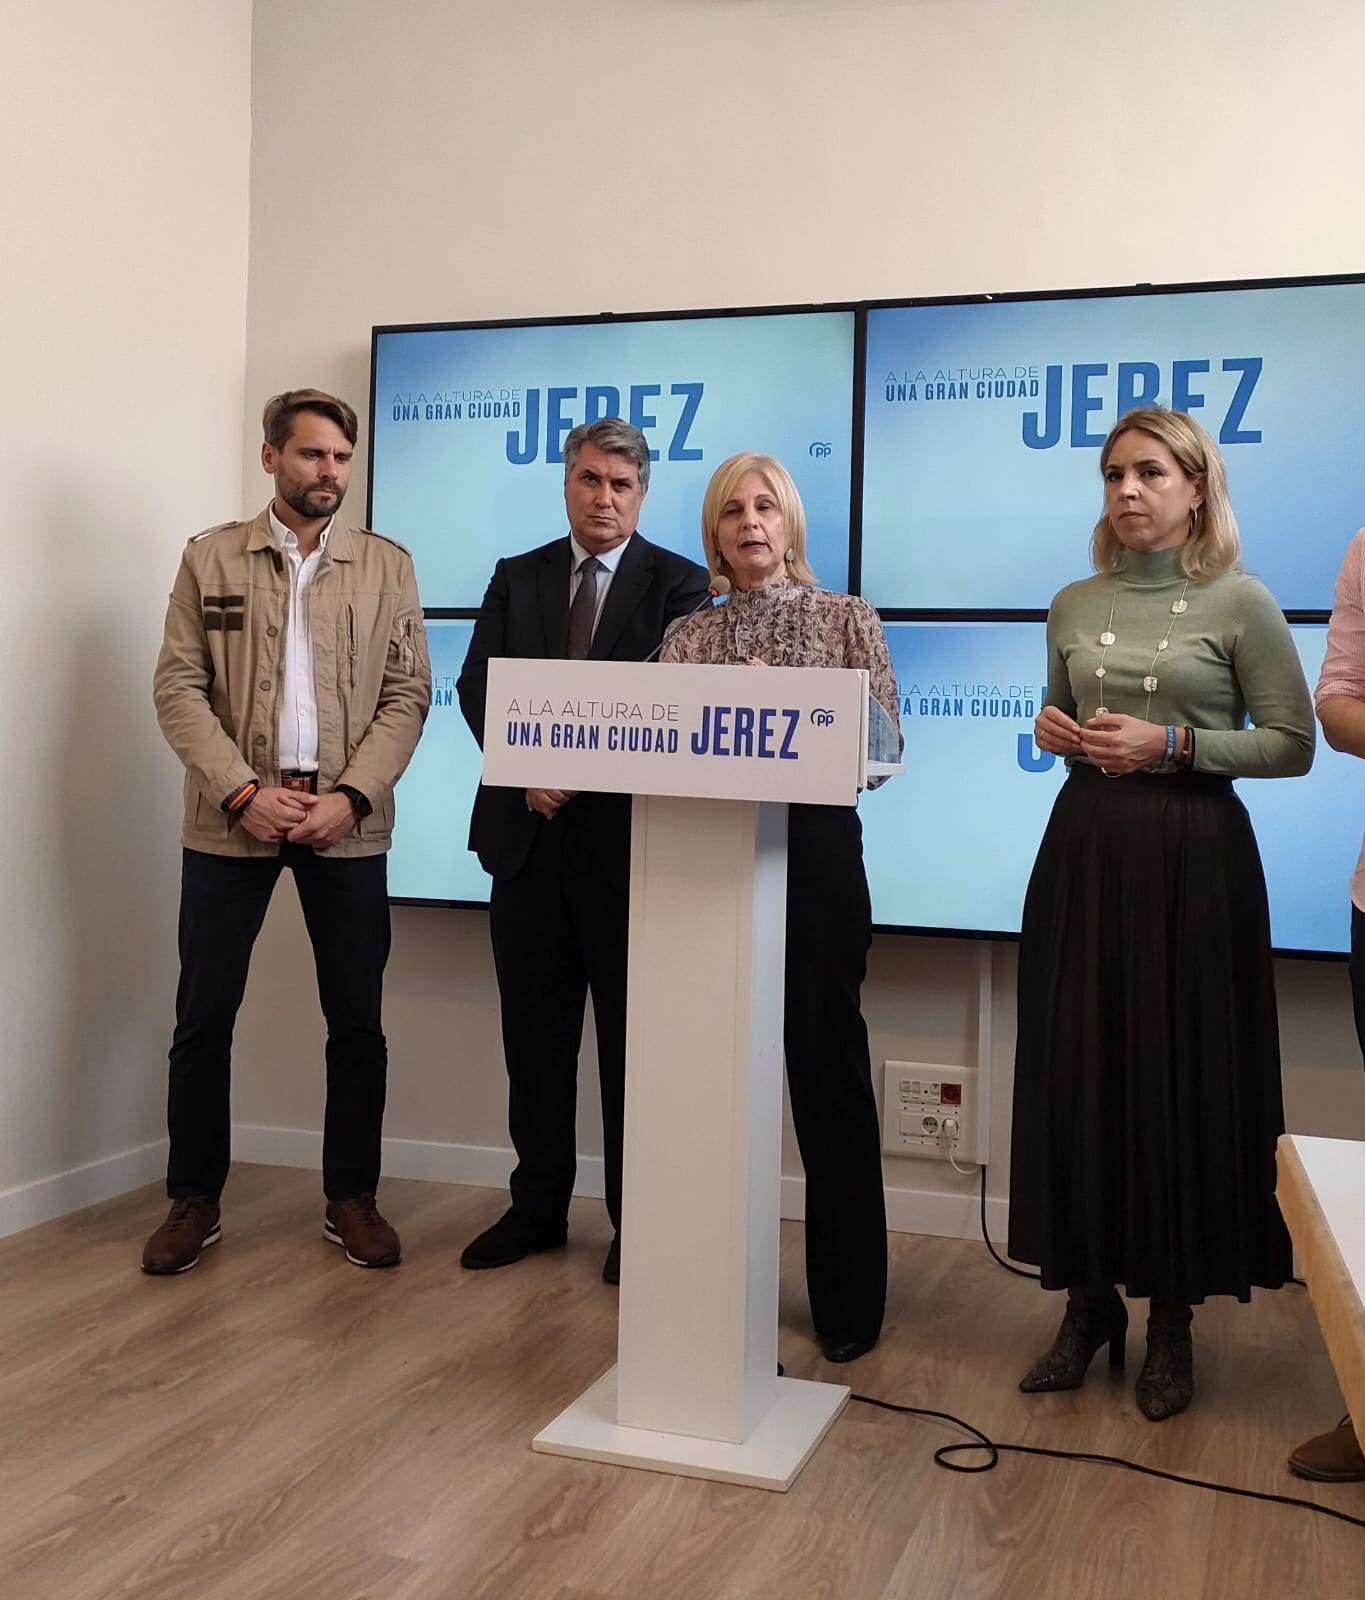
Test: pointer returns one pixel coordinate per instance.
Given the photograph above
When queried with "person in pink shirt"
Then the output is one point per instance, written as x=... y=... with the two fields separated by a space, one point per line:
x=1336 y=1456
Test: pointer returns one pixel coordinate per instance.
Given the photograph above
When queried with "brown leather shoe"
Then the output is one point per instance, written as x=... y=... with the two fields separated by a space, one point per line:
x=362 y=1233
x=1334 y=1457
x=190 y=1226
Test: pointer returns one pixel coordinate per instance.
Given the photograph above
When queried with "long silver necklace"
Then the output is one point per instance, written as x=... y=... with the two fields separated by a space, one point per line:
x=1149 y=682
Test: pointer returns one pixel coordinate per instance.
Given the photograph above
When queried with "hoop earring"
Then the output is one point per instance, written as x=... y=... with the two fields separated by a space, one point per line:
x=1194 y=520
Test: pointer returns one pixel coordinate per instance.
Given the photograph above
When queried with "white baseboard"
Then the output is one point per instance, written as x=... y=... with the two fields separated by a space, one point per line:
x=946 y=1216
x=28 y=1204
x=480 y=1166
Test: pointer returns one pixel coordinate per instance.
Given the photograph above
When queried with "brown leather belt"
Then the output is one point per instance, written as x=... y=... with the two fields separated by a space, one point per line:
x=304 y=782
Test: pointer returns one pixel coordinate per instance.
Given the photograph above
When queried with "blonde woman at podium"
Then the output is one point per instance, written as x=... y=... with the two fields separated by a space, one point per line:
x=753 y=530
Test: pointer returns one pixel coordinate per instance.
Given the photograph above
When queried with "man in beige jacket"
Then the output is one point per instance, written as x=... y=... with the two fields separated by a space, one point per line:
x=293 y=682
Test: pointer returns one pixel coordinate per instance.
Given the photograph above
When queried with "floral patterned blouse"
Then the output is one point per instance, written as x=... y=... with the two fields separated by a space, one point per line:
x=788 y=624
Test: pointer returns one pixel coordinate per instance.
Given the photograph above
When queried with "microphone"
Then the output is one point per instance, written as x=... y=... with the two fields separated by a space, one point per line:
x=720 y=585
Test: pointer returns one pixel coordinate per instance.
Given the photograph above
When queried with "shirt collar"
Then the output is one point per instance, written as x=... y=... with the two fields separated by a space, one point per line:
x=286 y=539
x=610 y=560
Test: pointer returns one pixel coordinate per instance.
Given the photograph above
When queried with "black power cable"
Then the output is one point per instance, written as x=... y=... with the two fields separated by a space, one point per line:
x=993 y=1450
x=1019 y=1272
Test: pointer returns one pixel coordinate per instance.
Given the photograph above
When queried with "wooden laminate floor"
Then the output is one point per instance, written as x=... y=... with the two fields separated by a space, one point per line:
x=278 y=1423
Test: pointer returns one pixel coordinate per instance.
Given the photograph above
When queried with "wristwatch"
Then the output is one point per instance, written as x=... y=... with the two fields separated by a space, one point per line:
x=359 y=804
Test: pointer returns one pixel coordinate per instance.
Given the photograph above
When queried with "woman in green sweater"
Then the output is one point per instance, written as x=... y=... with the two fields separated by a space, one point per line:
x=1147 y=1075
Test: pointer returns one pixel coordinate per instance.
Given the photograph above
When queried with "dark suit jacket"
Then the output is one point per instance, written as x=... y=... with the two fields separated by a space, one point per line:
x=525 y=612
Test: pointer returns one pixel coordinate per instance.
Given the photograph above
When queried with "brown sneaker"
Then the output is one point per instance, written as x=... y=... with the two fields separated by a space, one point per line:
x=362 y=1233
x=190 y=1226
x=1334 y=1457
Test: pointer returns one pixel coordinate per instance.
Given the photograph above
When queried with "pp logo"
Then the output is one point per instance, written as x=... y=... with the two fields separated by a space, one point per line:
x=821 y=718
x=821 y=451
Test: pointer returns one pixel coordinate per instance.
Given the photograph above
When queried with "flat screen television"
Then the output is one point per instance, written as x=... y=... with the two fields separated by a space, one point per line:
x=983 y=421
x=468 y=424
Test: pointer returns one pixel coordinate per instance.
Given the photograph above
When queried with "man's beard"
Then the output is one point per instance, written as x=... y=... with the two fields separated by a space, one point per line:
x=314 y=502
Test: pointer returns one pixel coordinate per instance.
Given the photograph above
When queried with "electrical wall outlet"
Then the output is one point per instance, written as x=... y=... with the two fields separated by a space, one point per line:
x=929 y=1110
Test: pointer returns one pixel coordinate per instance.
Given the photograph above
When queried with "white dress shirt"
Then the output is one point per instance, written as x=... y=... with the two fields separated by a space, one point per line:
x=298 y=704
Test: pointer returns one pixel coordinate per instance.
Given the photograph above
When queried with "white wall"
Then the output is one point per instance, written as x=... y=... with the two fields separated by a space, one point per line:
x=123 y=203
x=527 y=157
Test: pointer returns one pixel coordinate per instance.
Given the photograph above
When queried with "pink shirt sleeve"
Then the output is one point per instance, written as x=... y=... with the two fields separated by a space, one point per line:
x=1343 y=665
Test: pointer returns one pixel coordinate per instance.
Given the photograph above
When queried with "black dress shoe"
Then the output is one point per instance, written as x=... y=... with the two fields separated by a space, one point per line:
x=512 y=1238
x=846 y=1349
x=611 y=1267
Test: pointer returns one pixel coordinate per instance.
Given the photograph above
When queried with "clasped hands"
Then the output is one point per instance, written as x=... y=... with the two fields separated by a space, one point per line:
x=1115 y=743
x=277 y=816
x=548 y=801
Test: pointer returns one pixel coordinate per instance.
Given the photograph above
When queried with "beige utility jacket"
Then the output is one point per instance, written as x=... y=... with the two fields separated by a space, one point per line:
x=219 y=676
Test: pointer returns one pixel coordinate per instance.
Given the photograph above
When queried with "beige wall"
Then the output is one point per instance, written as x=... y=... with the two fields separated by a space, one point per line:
x=532 y=158
x=123 y=203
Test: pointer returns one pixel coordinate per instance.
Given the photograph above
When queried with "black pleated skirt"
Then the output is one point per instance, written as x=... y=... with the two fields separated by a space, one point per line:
x=1147 y=1094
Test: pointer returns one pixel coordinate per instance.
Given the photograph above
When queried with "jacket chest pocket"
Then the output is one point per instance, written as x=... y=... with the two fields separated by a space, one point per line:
x=224 y=613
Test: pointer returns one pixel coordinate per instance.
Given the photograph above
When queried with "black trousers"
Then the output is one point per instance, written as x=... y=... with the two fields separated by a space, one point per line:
x=559 y=928
x=829 y=1073
x=223 y=902
x=1356 y=966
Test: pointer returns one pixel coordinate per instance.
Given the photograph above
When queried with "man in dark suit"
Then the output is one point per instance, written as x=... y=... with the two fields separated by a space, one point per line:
x=560 y=861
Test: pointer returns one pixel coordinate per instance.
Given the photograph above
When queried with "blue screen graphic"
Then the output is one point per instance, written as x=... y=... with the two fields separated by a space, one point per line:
x=469 y=425
x=429 y=859
x=984 y=422
x=951 y=843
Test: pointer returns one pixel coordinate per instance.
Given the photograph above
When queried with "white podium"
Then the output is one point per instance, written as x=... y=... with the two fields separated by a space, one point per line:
x=712 y=755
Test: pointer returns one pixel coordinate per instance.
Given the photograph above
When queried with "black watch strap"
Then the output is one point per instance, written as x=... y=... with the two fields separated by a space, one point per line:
x=361 y=805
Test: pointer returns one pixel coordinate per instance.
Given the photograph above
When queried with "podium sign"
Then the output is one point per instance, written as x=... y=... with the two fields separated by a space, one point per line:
x=716 y=733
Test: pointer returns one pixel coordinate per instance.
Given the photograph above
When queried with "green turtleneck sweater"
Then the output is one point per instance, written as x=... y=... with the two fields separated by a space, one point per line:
x=1229 y=657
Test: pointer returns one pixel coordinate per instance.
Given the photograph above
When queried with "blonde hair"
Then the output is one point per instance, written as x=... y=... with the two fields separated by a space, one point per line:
x=1213 y=546
x=778 y=479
